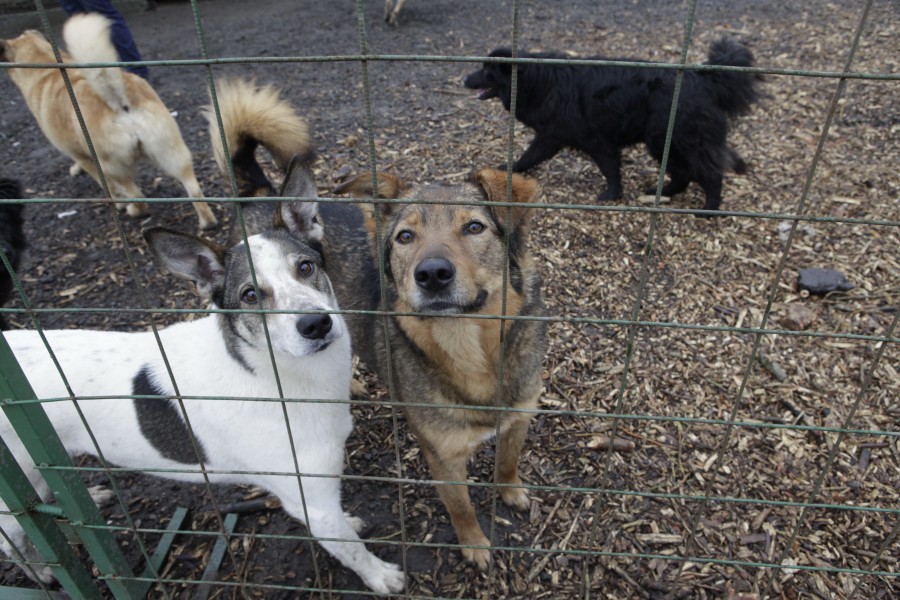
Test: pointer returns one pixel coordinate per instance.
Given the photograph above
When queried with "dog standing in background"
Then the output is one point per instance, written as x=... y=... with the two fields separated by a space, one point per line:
x=392 y=10
x=12 y=238
x=444 y=256
x=125 y=118
x=602 y=109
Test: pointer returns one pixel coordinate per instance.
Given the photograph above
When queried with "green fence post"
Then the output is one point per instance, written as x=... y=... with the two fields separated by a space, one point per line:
x=41 y=529
x=40 y=440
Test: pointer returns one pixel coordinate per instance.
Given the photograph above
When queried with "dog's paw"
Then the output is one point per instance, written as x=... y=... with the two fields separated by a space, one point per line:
x=480 y=557
x=383 y=577
x=137 y=209
x=611 y=194
x=515 y=497
x=101 y=495
x=75 y=170
x=355 y=523
x=358 y=389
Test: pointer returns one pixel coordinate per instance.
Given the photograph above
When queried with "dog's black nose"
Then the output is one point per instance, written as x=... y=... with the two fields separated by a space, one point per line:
x=433 y=274
x=314 y=327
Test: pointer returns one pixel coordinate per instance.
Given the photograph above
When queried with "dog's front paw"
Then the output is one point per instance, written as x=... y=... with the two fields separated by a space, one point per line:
x=75 y=170
x=383 y=577
x=101 y=495
x=480 y=556
x=355 y=523
x=611 y=194
x=515 y=497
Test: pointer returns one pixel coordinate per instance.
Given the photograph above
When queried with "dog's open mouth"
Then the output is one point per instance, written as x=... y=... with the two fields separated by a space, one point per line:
x=447 y=307
x=485 y=93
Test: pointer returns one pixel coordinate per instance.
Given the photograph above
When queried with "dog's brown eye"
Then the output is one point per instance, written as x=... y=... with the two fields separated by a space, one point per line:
x=306 y=268
x=474 y=227
x=249 y=296
x=405 y=236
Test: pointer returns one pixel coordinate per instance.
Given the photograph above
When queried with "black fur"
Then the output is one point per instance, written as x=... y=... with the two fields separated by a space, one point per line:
x=602 y=109
x=161 y=422
x=12 y=238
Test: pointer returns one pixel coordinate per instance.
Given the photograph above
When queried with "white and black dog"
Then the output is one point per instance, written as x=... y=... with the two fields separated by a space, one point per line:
x=224 y=354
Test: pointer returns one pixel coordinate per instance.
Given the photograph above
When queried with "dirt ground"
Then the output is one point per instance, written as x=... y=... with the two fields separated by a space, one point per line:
x=615 y=523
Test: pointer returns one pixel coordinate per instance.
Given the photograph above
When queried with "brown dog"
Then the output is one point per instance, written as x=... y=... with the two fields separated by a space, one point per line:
x=125 y=118
x=440 y=261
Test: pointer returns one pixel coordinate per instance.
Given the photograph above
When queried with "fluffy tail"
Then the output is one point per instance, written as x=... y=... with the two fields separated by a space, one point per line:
x=88 y=41
x=253 y=116
x=734 y=91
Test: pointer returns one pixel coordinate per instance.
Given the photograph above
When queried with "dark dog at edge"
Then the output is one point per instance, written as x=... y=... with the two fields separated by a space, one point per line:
x=12 y=238
x=440 y=261
x=602 y=109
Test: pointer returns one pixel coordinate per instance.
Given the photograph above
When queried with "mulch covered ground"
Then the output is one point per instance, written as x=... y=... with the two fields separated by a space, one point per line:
x=639 y=503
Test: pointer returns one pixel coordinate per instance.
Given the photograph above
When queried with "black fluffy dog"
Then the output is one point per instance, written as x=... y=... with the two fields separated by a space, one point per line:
x=602 y=109
x=12 y=238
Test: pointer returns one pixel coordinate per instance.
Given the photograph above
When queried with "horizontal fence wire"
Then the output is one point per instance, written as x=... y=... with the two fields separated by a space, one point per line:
x=597 y=497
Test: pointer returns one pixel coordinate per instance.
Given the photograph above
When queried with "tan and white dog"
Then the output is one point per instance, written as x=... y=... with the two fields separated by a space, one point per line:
x=125 y=118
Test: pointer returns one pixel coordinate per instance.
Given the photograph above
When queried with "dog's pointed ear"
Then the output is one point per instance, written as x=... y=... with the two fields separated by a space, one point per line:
x=297 y=212
x=505 y=68
x=524 y=191
x=387 y=187
x=189 y=257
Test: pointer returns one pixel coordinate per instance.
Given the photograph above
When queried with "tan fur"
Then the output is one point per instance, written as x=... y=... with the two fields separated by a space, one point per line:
x=452 y=364
x=120 y=137
x=248 y=110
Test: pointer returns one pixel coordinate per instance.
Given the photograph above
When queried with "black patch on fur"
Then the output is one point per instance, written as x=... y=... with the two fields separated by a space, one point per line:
x=230 y=343
x=161 y=423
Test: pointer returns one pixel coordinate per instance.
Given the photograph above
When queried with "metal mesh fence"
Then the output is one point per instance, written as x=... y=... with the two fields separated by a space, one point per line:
x=695 y=495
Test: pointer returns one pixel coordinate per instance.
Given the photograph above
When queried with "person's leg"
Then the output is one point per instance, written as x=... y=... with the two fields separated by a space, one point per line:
x=71 y=6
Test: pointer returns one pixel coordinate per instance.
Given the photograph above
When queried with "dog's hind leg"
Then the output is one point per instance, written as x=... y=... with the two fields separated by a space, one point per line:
x=541 y=148
x=712 y=187
x=455 y=497
x=677 y=184
x=204 y=212
x=168 y=152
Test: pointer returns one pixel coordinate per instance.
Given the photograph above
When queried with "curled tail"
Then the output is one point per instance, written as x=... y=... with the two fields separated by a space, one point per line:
x=87 y=39
x=254 y=116
x=734 y=91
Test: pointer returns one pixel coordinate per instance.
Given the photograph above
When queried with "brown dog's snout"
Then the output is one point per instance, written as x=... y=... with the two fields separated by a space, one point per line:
x=434 y=274
x=314 y=327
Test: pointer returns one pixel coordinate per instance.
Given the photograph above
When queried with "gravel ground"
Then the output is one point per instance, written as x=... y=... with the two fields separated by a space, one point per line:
x=628 y=504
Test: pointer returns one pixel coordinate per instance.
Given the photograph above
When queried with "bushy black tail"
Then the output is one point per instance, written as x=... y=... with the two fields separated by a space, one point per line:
x=734 y=91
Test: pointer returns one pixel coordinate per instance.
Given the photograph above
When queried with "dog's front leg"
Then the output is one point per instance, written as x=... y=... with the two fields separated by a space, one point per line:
x=336 y=531
x=509 y=448
x=455 y=496
x=541 y=148
x=609 y=159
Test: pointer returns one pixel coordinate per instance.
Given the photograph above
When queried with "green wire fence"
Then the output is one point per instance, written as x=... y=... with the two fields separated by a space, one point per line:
x=103 y=571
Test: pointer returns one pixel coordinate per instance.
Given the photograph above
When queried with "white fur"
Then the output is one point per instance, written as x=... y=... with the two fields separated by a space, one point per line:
x=235 y=434
x=88 y=41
